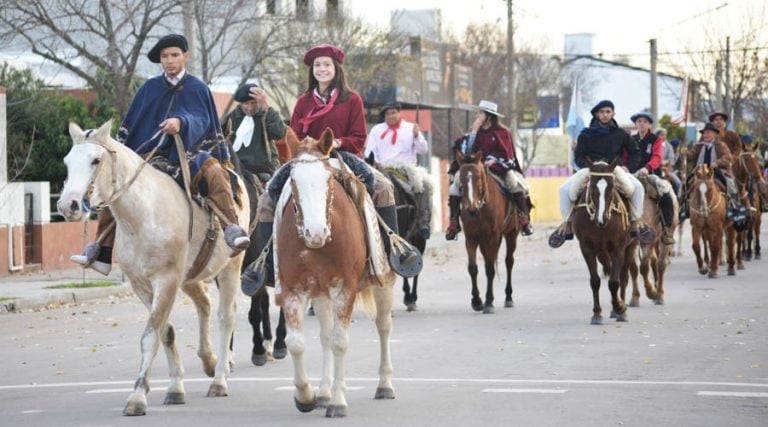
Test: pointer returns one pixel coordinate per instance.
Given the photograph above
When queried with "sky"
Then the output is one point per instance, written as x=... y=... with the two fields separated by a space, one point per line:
x=620 y=26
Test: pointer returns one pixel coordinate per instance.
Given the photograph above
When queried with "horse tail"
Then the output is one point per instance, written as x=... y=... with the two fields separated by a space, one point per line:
x=366 y=301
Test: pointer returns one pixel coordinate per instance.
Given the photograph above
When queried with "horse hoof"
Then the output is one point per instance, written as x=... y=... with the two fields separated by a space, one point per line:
x=509 y=303
x=259 y=359
x=659 y=301
x=304 y=407
x=703 y=271
x=280 y=353
x=216 y=390
x=411 y=307
x=322 y=402
x=335 y=411
x=209 y=366
x=712 y=275
x=741 y=267
x=384 y=393
x=488 y=309
x=133 y=409
x=621 y=317
x=311 y=311
x=477 y=306
x=597 y=320
x=174 y=398
x=757 y=256
x=731 y=272
x=634 y=302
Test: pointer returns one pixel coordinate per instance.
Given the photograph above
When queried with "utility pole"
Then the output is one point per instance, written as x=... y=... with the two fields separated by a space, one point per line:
x=727 y=103
x=3 y=140
x=719 y=85
x=188 y=11
x=654 y=78
x=511 y=71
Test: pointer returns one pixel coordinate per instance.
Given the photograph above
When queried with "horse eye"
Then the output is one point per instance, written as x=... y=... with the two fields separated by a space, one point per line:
x=95 y=162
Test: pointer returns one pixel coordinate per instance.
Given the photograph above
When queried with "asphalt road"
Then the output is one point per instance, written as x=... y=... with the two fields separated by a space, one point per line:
x=698 y=360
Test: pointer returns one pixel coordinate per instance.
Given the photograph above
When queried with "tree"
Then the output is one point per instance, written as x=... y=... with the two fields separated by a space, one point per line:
x=108 y=35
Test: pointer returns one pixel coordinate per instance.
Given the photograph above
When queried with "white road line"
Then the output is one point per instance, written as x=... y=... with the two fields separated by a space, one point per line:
x=525 y=390
x=109 y=390
x=494 y=381
x=731 y=394
x=292 y=388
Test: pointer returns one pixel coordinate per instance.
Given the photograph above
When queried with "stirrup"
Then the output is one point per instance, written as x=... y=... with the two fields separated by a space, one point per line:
x=404 y=258
x=644 y=234
x=453 y=232
x=558 y=237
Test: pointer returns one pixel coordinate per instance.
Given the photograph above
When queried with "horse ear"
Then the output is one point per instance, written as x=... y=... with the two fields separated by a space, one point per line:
x=325 y=144
x=614 y=163
x=105 y=129
x=76 y=132
x=476 y=157
x=589 y=161
x=459 y=155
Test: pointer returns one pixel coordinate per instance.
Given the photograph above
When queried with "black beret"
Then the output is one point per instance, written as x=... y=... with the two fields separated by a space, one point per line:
x=171 y=40
x=243 y=93
x=602 y=104
x=648 y=116
x=710 y=126
x=390 y=106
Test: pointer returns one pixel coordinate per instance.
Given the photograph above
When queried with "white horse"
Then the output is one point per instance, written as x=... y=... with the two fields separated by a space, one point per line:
x=154 y=250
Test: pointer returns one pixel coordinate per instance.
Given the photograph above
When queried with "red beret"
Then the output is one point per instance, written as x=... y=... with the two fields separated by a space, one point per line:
x=324 y=50
x=718 y=113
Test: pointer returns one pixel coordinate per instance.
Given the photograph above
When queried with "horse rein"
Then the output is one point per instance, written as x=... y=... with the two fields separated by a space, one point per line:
x=704 y=211
x=616 y=206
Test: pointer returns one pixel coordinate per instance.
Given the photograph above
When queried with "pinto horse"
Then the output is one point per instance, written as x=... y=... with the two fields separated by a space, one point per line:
x=321 y=256
x=601 y=223
x=155 y=252
x=707 y=205
x=488 y=217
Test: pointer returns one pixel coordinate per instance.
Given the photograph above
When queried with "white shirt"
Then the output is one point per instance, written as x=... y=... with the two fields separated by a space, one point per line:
x=404 y=150
x=175 y=80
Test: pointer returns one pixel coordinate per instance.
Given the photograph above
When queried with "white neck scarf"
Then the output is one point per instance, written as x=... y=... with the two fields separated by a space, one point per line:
x=244 y=133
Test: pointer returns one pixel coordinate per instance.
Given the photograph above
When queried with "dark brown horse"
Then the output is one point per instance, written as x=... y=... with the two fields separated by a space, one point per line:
x=707 y=205
x=320 y=255
x=488 y=217
x=747 y=172
x=601 y=223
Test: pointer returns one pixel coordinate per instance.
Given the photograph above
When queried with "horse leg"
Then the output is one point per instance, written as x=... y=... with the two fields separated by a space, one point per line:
x=293 y=308
x=696 y=246
x=198 y=292
x=255 y=317
x=633 y=271
x=648 y=267
x=715 y=247
x=490 y=251
x=594 y=283
x=509 y=260
x=324 y=313
x=477 y=303
x=757 y=241
x=619 y=309
x=383 y=296
x=343 y=303
x=266 y=325
x=414 y=294
x=281 y=349
x=159 y=305
x=228 y=280
x=732 y=255
x=747 y=252
x=175 y=393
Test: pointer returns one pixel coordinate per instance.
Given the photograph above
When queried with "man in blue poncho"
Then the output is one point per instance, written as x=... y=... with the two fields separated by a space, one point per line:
x=174 y=102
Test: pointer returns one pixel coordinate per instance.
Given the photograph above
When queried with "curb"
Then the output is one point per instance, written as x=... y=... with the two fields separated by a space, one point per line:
x=55 y=298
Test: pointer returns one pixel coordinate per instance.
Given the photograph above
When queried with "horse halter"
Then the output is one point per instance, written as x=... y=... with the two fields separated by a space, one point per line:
x=589 y=204
x=482 y=189
x=296 y=200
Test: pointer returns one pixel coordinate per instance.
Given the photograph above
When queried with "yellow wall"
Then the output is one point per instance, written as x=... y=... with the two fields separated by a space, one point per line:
x=545 y=196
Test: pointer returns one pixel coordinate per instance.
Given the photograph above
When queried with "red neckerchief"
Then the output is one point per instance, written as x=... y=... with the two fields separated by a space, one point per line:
x=394 y=129
x=319 y=110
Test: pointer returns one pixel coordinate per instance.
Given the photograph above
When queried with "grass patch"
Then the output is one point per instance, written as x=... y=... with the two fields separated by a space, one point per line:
x=2 y=299
x=81 y=285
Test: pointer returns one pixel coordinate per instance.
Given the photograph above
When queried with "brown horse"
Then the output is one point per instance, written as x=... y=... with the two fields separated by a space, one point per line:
x=320 y=255
x=707 y=205
x=601 y=223
x=745 y=170
x=487 y=217
x=654 y=257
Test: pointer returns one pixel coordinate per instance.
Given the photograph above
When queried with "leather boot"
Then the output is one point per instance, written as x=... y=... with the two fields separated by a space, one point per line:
x=255 y=277
x=95 y=256
x=220 y=195
x=454 y=208
x=389 y=215
x=523 y=213
x=667 y=208
x=424 y=209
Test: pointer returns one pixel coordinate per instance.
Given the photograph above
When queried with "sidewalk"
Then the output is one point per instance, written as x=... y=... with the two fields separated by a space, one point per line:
x=30 y=291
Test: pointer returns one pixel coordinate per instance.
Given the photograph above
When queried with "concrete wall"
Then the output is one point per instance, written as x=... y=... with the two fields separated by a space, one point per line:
x=41 y=195
x=545 y=195
x=16 y=260
x=56 y=242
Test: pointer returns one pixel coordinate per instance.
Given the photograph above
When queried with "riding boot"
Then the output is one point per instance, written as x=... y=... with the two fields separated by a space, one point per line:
x=667 y=208
x=454 y=208
x=389 y=215
x=99 y=256
x=255 y=276
x=424 y=206
x=220 y=195
x=644 y=234
x=559 y=236
x=523 y=213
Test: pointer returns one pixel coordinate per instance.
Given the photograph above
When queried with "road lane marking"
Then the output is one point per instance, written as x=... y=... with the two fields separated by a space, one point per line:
x=731 y=394
x=525 y=390
x=292 y=388
x=109 y=390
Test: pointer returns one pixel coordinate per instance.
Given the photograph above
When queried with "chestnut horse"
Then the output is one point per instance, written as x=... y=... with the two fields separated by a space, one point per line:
x=745 y=170
x=156 y=253
x=488 y=217
x=600 y=221
x=320 y=255
x=707 y=205
x=654 y=257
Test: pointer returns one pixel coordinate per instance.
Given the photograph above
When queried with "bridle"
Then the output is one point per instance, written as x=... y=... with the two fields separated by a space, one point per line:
x=707 y=208
x=481 y=197
x=614 y=206
x=296 y=198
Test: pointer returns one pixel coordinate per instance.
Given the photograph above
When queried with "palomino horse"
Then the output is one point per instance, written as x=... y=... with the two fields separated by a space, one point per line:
x=745 y=170
x=707 y=205
x=321 y=255
x=155 y=251
x=487 y=217
x=653 y=257
x=601 y=223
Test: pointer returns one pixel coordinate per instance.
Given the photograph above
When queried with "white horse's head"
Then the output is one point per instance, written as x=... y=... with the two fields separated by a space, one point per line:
x=313 y=190
x=83 y=166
